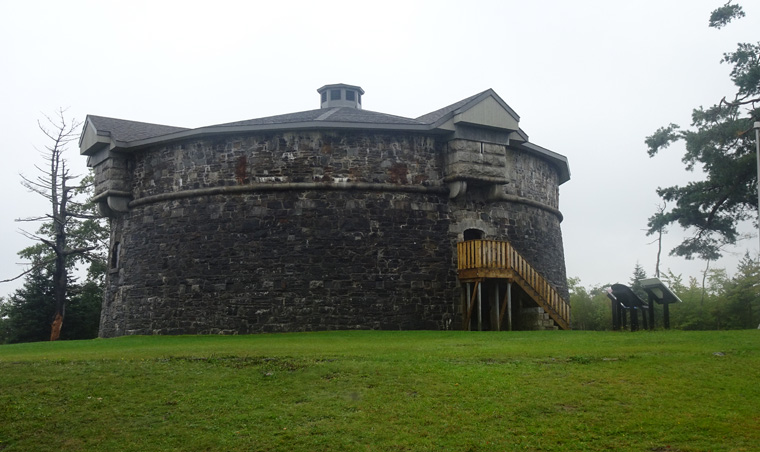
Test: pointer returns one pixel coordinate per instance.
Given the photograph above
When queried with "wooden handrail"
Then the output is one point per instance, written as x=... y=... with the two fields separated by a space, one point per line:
x=500 y=255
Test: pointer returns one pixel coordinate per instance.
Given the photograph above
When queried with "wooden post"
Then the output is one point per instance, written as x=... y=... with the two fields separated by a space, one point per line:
x=495 y=319
x=465 y=313
x=644 y=316
x=480 y=307
x=634 y=319
x=615 y=314
x=472 y=304
x=504 y=305
x=666 y=315
x=509 y=306
x=623 y=317
x=651 y=313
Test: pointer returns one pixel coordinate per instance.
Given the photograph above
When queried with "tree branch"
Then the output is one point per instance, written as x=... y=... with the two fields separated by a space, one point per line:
x=29 y=270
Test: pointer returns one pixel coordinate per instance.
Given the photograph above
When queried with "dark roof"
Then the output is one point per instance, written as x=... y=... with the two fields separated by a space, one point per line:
x=123 y=130
x=118 y=133
x=340 y=114
x=136 y=132
x=433 y=116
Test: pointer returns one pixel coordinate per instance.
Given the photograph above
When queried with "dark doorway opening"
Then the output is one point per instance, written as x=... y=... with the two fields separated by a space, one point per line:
x=473 y=234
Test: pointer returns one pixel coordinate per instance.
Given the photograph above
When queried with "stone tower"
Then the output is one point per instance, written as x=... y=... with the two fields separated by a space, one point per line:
x=334 y=218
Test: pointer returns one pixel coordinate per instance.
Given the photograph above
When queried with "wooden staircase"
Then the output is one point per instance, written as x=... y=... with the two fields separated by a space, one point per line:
x=480 y=260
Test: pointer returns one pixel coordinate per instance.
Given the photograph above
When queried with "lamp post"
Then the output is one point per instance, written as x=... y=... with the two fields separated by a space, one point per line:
x=757 y=143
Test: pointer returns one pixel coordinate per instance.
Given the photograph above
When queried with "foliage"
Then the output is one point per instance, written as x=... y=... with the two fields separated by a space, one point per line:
x=384 y=391
x=83 y=310
x=725 y=14
x=742 y=295
x=30 y=309
x=699 y=311
x=722 y=144
x=724 y=303
x=638 y=274
x=589 y=308
x=28 y=312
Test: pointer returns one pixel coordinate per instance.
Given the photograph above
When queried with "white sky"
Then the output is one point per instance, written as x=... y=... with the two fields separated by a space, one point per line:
x=589 y=79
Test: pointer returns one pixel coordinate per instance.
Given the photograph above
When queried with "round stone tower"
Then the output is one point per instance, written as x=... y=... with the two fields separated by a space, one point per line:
x=335 y=218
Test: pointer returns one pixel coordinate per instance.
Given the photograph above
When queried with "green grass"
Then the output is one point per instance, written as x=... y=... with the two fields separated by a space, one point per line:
x=385 y=391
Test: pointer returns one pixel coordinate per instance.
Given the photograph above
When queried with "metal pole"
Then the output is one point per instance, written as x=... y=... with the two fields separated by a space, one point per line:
x=757 y=144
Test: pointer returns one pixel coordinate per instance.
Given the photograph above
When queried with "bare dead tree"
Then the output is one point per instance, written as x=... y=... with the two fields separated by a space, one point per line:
x=58 y=187
x=659 y=230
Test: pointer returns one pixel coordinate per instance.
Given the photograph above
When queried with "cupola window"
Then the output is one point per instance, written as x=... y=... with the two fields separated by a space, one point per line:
x=340 y=95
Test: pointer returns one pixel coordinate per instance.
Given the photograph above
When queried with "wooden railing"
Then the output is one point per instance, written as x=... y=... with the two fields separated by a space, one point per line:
x=497 y=259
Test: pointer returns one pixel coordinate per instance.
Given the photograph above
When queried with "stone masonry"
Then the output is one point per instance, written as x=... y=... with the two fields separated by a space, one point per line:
x=275 y=225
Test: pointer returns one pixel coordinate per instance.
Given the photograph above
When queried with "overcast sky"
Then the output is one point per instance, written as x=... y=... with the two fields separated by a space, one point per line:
x=589 y=79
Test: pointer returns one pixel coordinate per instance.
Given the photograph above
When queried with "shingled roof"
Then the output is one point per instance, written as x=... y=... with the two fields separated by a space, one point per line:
x=127 y=131
x=340 y=114
x=134 y=133
x=485 y=109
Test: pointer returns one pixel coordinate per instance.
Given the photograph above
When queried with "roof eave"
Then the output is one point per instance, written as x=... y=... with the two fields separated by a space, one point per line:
x=472 y=103
x=92 y=140
x=557 y=159
x=321 y=125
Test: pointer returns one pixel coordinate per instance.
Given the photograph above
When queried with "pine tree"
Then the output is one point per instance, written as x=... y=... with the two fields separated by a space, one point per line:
x=722 y=143
x=638 y=274
x=743 y=295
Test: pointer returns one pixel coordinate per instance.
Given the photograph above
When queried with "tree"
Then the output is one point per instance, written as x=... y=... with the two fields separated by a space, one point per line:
x=742 y=294
x=638 y=274
x=70 y=232
x=4 y=325
x=25 y=316
x=721 y=143
x=30 y=308
x=660 y=230
x=590 y=309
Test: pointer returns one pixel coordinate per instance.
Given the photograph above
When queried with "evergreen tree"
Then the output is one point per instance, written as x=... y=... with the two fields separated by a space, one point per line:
x=722 y=143
x=27 y=314
x=30 y=309
x=638 y=274
x=4 y=325
x=742 y=295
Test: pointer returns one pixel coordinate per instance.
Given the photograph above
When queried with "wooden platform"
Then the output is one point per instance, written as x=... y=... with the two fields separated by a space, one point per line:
x=482 y=260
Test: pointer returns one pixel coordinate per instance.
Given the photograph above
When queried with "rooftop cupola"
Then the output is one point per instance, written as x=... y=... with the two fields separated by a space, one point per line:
x=341 y=95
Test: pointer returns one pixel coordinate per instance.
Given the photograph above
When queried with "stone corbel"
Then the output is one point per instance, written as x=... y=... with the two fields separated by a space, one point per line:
x=457 y=188
x=113 y=203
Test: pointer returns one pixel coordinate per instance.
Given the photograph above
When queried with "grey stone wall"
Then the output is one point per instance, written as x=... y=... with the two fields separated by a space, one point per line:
x=532 y=178
x=331 y=255
x=469 y=158
x=534 y=232
x=288 y=157
x=282 y=262
x=112 y=173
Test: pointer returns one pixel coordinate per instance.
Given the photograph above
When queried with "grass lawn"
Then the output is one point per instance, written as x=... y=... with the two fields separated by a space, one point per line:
x=385 y=391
